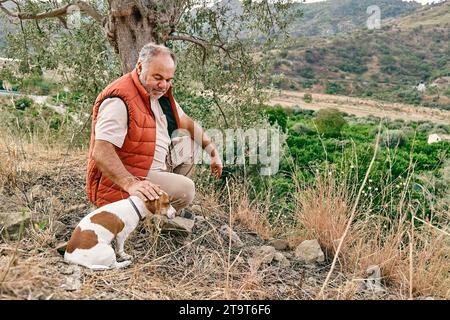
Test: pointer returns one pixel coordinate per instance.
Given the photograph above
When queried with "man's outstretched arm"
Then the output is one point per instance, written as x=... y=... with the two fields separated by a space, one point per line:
x=109 y=163
x=201 y=138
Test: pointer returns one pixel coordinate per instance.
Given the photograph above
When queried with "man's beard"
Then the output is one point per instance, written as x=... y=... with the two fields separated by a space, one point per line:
x=149 y=90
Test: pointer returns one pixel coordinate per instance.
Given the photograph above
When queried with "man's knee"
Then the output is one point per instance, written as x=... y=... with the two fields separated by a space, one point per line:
x=185 y=193
x=190 y=190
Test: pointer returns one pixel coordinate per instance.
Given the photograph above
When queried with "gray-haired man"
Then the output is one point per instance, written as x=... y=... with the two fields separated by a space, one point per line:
x=133 y=121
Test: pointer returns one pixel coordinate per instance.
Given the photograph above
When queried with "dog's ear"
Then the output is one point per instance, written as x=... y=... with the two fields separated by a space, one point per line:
x=158 y=205
x=151 y=206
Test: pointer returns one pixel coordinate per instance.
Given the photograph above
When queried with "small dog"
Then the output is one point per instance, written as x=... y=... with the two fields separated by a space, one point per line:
x=90 y=244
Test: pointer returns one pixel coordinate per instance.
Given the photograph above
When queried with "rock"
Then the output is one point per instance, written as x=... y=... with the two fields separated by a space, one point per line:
x=373 y=282
x=13 y=223
x=279 y=244
x=226 y=231
x=73 y=278
x=178 y=224
x=309 y=251
x=262 y=255
x=284 y=262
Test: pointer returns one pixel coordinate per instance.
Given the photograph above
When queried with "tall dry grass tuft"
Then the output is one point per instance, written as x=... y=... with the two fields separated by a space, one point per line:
x=430 y=266
x=414 y=259
x=11 y=158
x=323 y=212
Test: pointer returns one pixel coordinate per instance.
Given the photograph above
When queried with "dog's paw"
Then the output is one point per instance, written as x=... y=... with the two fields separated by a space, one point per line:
x=171 y=215
x=125 y=256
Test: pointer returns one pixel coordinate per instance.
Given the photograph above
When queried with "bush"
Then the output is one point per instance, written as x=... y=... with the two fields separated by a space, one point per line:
x=329 y=122
x=277 y=115
x=333 y=88
x=23 y=103
x=301 y=128
x=307 y=97
x=425 y=127
x=306 y=72
x=393 y=138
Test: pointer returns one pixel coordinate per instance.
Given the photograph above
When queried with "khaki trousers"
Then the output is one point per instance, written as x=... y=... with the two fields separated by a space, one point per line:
x=176 y=179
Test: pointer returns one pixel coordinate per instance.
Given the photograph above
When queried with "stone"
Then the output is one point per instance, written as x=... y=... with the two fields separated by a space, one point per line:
x=73 y=278
x=262 y=255
x=284 y=262
x=373 y=282
x=279 y=244
x=13 y=223
x=226 y=231
x=178 y=224
x=309 y=251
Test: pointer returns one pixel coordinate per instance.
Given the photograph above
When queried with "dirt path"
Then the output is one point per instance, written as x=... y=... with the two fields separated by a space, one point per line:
x=362 y=107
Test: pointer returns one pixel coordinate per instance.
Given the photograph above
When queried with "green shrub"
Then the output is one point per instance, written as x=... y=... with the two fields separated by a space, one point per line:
x=393 y=138
x=425 y=127
x=333 y=88
x=301 y=128
x=23 y=103
x=307 y=97
x=329 y=122
x=306 y=72
x=277 y=115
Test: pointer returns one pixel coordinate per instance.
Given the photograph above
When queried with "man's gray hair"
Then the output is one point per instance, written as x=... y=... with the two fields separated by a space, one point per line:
x=151 y=50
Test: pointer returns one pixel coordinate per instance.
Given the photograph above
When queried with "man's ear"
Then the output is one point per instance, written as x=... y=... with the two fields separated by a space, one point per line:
x=139 y=68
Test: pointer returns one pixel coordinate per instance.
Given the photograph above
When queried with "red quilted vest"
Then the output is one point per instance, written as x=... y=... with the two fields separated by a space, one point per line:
x=138 y=148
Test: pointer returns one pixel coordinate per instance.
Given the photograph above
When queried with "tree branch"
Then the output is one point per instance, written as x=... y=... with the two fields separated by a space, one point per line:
x=56 y=13
x=90 y=11
x=200 y=42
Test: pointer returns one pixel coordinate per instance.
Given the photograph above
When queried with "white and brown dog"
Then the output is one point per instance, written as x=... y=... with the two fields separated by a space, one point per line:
x=90 y=244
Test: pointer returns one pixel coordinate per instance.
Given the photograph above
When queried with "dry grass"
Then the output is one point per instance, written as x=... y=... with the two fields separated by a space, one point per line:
x=323 y=211
x=48 y=181
x=49 y=184
x=414 y=262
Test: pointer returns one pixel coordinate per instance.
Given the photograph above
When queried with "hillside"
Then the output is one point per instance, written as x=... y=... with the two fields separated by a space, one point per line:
x=386 y=63
x=338 y=16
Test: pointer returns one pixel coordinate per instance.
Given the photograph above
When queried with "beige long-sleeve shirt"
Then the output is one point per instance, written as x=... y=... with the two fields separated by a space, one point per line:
x=112 y=126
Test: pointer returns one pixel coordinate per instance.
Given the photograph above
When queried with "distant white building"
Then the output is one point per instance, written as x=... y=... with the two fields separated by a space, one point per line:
x=436 y=137
x=421 y=87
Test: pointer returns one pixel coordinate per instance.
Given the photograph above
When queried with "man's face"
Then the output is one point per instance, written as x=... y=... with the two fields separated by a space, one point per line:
x=157 y=77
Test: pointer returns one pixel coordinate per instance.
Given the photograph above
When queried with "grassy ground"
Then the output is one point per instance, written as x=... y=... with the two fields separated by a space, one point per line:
x=47 y=180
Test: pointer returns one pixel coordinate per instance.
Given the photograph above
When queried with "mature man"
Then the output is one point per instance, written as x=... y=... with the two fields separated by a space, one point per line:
x=133 y=121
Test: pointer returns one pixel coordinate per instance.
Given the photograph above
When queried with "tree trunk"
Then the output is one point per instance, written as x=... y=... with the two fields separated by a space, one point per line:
x=131 y=24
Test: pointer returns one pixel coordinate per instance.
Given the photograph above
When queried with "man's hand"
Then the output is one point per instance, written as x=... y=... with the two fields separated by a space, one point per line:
x=216 y=166
x=143 y=189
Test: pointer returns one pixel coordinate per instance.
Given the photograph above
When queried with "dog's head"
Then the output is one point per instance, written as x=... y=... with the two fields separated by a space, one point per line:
x=161 y=206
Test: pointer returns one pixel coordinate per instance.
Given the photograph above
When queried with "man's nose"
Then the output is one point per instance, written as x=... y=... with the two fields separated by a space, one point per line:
x=162 y=84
